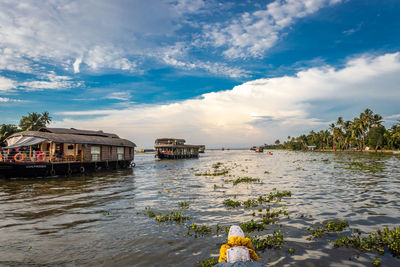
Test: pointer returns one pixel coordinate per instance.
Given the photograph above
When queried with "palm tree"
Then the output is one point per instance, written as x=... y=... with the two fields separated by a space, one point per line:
x=34 y=121
x=377 y=120
x=6 y=130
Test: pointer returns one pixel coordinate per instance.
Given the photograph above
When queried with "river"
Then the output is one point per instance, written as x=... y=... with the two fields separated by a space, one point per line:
x=100 y=219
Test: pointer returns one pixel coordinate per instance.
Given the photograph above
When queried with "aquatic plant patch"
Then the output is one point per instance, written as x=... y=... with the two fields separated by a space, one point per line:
x=216 y=173
x=209 y=262
x=376 y=241
x=245 y=180
x=252 y=226
x=183 y=205
x=198 y=230
x=330 y=226
x=270 y=241
x=231 y=203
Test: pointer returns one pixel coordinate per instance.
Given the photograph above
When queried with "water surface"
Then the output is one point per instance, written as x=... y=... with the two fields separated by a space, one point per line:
x=99 y=219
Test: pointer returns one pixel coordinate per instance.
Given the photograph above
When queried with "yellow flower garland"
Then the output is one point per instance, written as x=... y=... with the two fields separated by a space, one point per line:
x=235 y=241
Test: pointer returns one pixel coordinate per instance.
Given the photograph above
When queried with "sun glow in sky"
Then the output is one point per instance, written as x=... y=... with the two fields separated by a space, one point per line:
x=220 y=73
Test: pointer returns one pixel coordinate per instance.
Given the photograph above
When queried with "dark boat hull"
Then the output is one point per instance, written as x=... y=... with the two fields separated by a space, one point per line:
x=47 y=169
x=165 y=156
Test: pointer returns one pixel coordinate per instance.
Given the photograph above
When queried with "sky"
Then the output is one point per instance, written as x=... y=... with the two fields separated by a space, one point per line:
x=219 y=73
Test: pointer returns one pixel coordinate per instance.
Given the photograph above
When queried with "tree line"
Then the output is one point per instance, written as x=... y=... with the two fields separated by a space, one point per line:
x=362 y=132
x=31 y=122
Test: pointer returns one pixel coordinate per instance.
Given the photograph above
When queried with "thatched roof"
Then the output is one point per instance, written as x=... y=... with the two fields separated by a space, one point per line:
x=59 y=135
x=76 y=131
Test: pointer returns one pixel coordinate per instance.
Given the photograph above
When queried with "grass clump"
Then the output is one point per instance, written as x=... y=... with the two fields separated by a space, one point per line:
x=175 y=216
x=330 y=226
x=251 y=203
x=270 y=241
x=251 y=226
x=231 y=203
x=198 y=229
x=150 y=213
x=209 y=262
x=216 y=173
x=245 y=180
x=183 y=205
x=376 y=241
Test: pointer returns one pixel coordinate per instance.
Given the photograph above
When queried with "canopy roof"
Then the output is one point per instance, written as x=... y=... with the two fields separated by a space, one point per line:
x=59 y=135
x=21 y=141
x=169 y=141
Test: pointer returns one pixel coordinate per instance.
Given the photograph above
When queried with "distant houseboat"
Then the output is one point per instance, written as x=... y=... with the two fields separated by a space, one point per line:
x=171 y=148
x=59 y=151
x=259 y=149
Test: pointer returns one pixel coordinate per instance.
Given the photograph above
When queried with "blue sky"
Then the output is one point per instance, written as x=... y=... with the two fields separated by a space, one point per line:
x=220 y=73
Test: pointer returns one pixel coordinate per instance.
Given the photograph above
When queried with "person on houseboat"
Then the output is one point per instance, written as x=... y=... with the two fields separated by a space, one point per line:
x=238 y=251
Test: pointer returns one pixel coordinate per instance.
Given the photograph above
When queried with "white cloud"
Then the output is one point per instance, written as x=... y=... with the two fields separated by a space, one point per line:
x=97 y=33
x=252 y=34
x=258 y=111
x=6 y=84
x=10 y=100
x=49 y=81
x=177 y=55
x=123 y=96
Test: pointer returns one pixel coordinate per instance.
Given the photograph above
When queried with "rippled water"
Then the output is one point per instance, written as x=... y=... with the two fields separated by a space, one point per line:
x=99 y=219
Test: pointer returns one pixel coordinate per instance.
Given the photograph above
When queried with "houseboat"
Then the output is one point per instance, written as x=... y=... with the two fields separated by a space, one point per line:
x=259 y=149
x=171 y=148
x=60 y=151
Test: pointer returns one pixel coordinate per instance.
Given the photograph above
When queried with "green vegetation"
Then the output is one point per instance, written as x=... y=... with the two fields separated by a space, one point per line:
x=376 y=241
x=209 y=262
x=361 y=166
x=331 y=226
x=250 y=203
x=365 y=130
x=270 y=241
x=198 y=229
x=251 y=226
x=245 y=180
x=231 y=203
x=32 y=122
x=216 y=173
x=175 y=216
x=183 y=205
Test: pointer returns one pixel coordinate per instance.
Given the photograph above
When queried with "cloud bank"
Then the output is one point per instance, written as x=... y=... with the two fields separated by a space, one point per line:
x=258 y=111
x=252 y=34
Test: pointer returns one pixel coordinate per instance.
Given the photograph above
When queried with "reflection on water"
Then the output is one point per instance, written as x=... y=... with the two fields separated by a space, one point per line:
x=97 y=219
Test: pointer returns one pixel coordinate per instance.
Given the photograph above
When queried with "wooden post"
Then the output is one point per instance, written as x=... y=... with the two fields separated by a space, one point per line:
x=51 y=152
x=83 y=151
x=75 y=148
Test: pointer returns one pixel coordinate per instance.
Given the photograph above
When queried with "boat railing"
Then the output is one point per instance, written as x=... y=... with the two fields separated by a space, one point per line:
x=22 y=156
x=26 y=156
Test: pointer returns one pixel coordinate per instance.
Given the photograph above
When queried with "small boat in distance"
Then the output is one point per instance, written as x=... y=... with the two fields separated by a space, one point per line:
x=172 y=148
x=60 y=151
x=202 y=148
x=269 y=153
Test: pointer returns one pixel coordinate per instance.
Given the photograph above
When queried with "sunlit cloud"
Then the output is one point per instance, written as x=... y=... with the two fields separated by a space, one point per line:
x=257 y=111
x=251 y=34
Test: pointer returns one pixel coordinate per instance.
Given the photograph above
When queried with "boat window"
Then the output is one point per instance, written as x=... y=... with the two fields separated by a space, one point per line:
x=95 y=151
x=120 y=151
x=70 y=147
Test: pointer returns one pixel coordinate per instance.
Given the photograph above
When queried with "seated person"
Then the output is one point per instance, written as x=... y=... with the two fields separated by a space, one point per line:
x=238 y=252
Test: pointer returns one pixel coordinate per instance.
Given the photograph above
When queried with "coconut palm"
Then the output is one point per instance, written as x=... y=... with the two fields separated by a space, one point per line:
x=34 y=121
x=6 y=130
